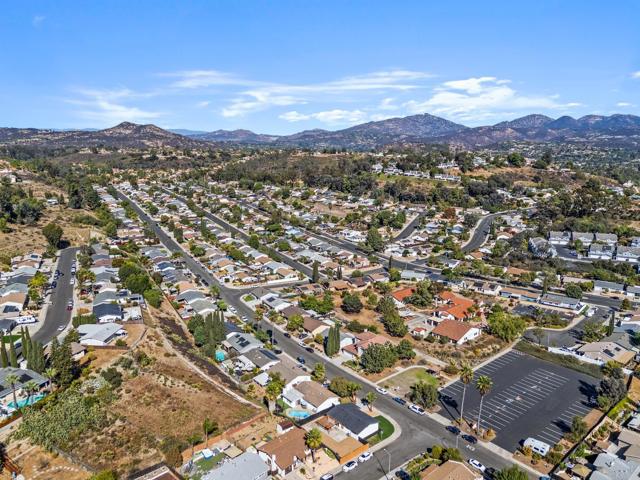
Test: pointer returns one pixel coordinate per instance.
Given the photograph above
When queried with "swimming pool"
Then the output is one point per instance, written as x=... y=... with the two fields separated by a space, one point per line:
x=300 y=414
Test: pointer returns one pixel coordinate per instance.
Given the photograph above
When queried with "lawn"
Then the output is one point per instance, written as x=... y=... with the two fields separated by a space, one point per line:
x=400 y=383
x=385 y=431
x=204 y=465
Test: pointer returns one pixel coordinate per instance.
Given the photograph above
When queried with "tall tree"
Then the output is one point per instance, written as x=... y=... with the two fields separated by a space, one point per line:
x=12 y=380
x=50 y=373
x=4 y=358
x=208 y=427
x=313 y=440
x=483 y=385
x=315 y=274
x=466 y=377
x=13 y=356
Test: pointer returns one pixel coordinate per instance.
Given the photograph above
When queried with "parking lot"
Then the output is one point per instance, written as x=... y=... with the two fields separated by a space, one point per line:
x=529 y=398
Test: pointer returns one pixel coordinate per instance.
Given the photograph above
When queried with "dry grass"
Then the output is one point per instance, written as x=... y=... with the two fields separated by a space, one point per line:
x=36 y=463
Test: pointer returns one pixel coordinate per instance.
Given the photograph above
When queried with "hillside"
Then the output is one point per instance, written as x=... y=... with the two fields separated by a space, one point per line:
x=125 y=134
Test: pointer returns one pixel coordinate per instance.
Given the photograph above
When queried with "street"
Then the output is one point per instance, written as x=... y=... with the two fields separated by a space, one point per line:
x=57 y=313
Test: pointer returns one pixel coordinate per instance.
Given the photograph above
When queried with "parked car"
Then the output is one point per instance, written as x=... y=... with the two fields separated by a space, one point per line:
x=72 y=281
x=403 y=475
x=310 y=349
x=301 y=360
x=277 y=351
x=347 y=467
x=381 y=391
x=287 y=334
x=477 y=465
x=364 y=457
x=491 y=472
x=417 y=409
x=470 y=438
x=400 y=400
x=327 y=476
x=453 y=429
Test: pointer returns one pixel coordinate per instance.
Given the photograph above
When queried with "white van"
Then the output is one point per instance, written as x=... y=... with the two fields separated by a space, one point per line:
x=537 y=446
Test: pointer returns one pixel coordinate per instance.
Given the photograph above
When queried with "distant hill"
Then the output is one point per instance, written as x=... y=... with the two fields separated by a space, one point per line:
x=125 y=134
x=608 y=131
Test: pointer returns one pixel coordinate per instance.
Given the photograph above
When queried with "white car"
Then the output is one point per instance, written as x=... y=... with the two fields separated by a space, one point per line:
x=476 y=464
x=364 y=457
x=417 y=409
x=381 y=391
x=347 y=467
x=72 y=281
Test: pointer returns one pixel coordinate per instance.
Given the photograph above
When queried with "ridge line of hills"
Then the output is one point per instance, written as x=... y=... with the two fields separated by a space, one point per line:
x=616 y=130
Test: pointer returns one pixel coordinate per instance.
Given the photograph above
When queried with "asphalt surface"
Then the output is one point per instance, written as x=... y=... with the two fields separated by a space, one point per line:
x=418 y=432
x=481 y=233
x=529 y=398
x=409 y=229
x=569 y=337
x=57 y=315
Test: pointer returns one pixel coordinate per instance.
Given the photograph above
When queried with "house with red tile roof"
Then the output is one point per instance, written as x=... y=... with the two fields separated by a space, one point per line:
x=363 y=341
x=457 y=332
x=452 y=306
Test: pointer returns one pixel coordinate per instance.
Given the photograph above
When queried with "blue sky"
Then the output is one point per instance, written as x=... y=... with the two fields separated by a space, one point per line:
x=284 y=66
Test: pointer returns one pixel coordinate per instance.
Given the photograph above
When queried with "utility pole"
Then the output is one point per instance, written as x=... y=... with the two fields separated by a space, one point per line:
x=389 y=455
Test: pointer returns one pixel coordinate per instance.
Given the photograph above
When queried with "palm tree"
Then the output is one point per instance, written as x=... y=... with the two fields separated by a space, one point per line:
x=50 y=373
x=193 y=441
x=484 y=385
x=466 y=377
x=13 y=379
x=208 y=426
x=31 y=387
x=370 y=397
x=313 y=439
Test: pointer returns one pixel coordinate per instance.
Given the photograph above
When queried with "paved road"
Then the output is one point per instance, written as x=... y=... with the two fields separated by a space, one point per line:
x=57 y=313
x=408 y=230
x=418 y=433
x=481 y=233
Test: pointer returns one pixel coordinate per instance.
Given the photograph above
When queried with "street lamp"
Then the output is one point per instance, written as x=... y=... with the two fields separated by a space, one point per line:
x=389 y=455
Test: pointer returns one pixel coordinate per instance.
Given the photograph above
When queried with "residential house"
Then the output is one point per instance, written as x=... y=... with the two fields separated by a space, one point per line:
x=99 y=334
x=601 y=286
x=611 y=467
x=541 y=248
x=354 y=421
x=600 y=251
x=284 y=453
x=107 y=312
x=259 y=358
x=450 y=470
x=585 y=238
x=561 y=301
x=363 y=341
x=247 y=466
x=559 y=238
x=606 y=238
x=24 y=376
x=311 y=396
x=241 y=343
x=456 y=331
x=452 y=306
x=628 y=254
x=607 y=351
x=313 y=326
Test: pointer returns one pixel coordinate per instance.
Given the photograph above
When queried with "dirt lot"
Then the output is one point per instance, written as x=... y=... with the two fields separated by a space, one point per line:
x=474 y=351
x=39 y=464
x=23 y=239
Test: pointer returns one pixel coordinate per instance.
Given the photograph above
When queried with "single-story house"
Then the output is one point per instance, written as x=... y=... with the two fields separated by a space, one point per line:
x=248 y=466
x=241 y=343
x=457 y=332
x=99 y=334
x=24 y=376
x=450 y=470
x=312 y=396
x=561 y=301
x=353 y=420
x=107 y=312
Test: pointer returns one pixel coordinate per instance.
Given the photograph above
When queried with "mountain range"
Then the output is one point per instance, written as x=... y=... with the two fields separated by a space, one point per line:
x=608 y=131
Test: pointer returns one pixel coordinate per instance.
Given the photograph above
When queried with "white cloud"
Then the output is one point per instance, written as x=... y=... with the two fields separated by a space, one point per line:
x=635 y=74
x=107 y=107
x=190 y=79
x=334 y=117
x=268 y=95
x=481 y=98
x=203 y=104
x=37 y=20
x=624 y=104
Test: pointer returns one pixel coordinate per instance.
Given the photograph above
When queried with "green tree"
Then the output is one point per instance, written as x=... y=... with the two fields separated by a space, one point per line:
x=313 y=440
x=12 y=379
x=351 y=303
x=511 y=473
x=4 y=358
x=370 y=398
x=274 y=389
x=505 y=326
x=484 y=384
x=208 y=427
x=13 y=356
x=573 y=290
x=578 y=428
x=378 y=357
x=50 y=373
x=315 y=274
x=404 y=350
x=318 y=373
x=104 y=475
x=424 y=394
x=53 y=233
x=466 y=377
x=374 y=241
x=295 y=323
